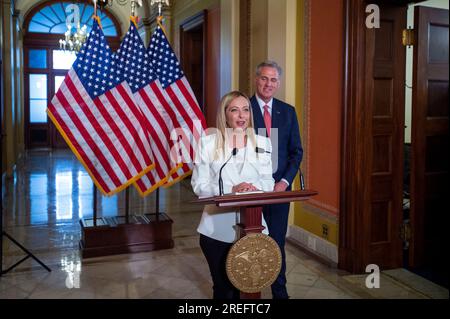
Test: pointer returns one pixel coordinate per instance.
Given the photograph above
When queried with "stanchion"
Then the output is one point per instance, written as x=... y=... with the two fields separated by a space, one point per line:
x=157 y=205
x=127 y=205
x=94 y=204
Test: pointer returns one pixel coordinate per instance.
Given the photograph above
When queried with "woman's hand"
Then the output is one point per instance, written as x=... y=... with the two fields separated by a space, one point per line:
x=243 y=187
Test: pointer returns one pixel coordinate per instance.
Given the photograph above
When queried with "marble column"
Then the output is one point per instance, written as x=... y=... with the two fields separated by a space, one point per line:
x=8 y=87
x=18 y=85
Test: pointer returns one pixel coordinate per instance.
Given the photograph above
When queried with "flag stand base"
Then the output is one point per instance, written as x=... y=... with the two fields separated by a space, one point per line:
x=122 y=235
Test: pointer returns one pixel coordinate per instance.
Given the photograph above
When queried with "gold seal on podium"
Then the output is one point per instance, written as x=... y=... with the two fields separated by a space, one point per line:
x=253 y=263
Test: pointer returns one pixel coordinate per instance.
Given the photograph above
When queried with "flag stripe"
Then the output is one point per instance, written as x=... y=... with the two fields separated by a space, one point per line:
x=162 y=162
x=189 y=123
x=192 y=101
x=128 y=97
x=103 y=113
x=160 y=140
x=159 y=108
x=122 y=136
x=146 y=186
x=184 y=98
x=84 y=134
x=93 y=120
x=86 y=159
x=181 y=108
x=181 y=123
x=145 y=183
x=185 y=95
x=182 y=174
x=179 y=99
x=109 y=119
x=177 y=120
x=128 y=126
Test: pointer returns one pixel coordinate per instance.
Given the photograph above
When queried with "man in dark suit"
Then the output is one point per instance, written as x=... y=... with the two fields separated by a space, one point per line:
x=277 y=120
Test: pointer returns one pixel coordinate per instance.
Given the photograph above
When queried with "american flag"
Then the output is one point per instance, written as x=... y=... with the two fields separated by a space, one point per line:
x=136 y=69
x=97 y=116
x=183 y=104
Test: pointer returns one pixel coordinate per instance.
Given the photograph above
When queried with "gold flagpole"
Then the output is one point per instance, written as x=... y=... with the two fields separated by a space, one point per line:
x=133 y=16
x=159 y=21
x=94 y=197
x=96 y=17
x=133 y=8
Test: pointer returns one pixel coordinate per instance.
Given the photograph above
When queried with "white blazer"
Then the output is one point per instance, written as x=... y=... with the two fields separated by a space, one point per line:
x=220 y=223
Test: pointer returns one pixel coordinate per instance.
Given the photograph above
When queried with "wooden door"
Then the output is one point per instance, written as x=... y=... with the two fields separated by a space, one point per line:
x=372 y=155
x=42 y=78
x=192 y=50
x=430 y=141
x=37 y=71
x=386 y=57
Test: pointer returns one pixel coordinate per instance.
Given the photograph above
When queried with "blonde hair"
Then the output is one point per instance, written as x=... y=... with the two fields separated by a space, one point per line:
x=221 y=123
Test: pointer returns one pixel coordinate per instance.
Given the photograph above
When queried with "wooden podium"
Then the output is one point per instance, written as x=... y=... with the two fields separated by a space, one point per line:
x=251 y=211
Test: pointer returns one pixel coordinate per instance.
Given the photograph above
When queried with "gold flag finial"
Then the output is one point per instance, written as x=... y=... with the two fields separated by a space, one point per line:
x=95 y=16
x=160 y=4
x=135 y=3
x=95 y=7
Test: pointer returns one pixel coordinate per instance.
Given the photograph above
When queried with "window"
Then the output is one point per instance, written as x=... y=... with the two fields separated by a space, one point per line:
x=52 y=18
x=38 y=98
x=37 y=59
x=63 y=60
x=46 y=65
x=58 y=80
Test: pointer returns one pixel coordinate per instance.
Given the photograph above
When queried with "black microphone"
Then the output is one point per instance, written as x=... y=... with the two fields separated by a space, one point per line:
x=233 y=153
x=302 y=180
x=261 y=150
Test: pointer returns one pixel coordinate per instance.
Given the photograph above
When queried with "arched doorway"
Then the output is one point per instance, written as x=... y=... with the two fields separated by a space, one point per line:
x=45 y=64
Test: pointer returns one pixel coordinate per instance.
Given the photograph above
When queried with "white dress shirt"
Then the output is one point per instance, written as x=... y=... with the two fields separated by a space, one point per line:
x=217 y=222
x=261 y=104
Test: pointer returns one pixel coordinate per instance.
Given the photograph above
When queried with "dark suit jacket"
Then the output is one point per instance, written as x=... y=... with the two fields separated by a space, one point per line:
x=290 y=151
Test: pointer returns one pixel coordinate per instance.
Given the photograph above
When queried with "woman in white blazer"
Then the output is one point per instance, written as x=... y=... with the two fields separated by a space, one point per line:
x=248 y=169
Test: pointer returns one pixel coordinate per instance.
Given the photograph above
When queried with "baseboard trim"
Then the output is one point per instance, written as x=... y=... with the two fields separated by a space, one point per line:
x=313 y=245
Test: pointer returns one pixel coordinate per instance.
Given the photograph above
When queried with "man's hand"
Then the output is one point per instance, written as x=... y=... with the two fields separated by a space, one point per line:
x=280 y=187
x=243 y=187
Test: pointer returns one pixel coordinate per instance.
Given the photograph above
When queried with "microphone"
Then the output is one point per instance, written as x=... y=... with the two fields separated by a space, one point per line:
x=302 y=180
x=233 y=153
x=261 y=150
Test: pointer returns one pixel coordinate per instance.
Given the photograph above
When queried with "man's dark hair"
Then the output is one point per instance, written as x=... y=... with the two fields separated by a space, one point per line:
x=270 y=64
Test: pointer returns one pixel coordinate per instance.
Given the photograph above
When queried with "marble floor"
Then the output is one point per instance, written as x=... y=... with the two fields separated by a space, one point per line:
x=50 y=191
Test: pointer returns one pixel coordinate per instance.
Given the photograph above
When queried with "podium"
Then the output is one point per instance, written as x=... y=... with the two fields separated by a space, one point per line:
x=250 y=206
